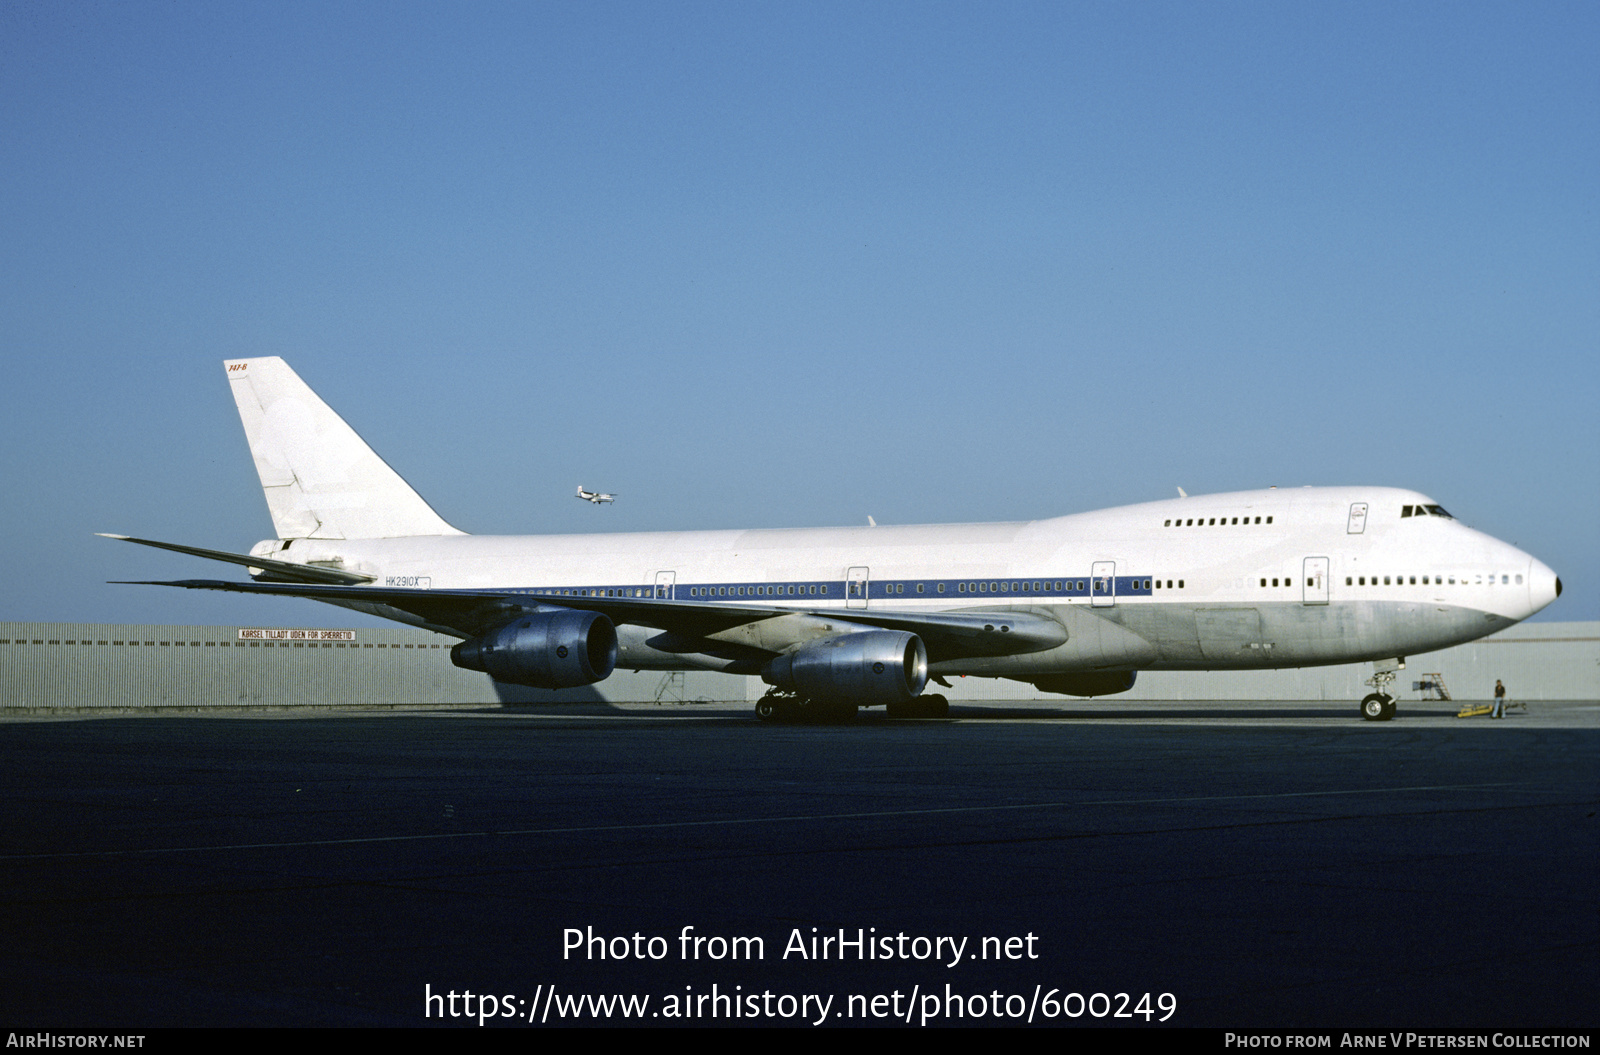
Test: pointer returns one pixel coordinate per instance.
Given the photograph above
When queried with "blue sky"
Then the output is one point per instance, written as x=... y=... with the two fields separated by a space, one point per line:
x=792 y=264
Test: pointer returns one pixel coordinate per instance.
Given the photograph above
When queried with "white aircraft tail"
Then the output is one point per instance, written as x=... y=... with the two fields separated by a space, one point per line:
x=321 y=479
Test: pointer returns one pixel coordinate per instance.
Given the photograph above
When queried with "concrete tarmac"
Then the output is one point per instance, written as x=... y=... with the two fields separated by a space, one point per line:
x=1226 y=865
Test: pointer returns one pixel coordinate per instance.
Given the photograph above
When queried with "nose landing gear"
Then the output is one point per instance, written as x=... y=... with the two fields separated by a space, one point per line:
x=1379 y=706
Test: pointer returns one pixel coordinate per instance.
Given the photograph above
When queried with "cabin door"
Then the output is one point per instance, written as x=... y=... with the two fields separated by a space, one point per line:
x=1314 y=580
x=666 y=581
x=855 y=588
x=1103 y=584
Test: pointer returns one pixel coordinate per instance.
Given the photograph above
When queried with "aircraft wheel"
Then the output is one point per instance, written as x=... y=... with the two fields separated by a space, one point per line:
x=767 y=709
x=816 y=712
x=835 y=711
x=1373 y=708
x=924 y=706
x=1389 y=706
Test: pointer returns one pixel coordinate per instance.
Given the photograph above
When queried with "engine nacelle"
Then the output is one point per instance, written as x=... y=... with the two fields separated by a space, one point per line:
x=547 y=650
x=1103 y=683
x=866 y=669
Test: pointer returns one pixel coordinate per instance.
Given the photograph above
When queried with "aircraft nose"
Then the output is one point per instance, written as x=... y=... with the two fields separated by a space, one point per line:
x=1544 y=585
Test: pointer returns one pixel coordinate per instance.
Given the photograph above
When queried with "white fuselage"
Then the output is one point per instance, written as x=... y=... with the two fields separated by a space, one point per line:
x=1273 y=578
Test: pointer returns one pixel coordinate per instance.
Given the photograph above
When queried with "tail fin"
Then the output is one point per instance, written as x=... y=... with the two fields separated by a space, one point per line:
x=321 y=479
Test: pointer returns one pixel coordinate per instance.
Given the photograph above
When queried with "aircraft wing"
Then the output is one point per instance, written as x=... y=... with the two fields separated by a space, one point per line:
x=468 y=613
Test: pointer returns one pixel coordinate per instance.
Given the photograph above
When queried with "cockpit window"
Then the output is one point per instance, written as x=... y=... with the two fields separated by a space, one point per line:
x=1425 y=511
x=1438 y=511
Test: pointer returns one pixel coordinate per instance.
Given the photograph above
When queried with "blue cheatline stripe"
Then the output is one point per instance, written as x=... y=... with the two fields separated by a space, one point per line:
x=1081 y=586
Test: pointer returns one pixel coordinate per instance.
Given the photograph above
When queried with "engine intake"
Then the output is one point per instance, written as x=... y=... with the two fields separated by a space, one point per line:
x=867 y=669
x=559 y=649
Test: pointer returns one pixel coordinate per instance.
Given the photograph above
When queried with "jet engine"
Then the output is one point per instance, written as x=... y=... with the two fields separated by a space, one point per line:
x=552 y=649
x=1102 y=683
x=865 y=669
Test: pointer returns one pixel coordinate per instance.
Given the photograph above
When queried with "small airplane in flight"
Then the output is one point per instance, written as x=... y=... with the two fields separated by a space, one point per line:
x=835 y=619
x=597 y=497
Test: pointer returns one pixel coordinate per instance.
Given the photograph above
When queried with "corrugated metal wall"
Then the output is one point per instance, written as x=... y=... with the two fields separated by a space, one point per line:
x=77 y=665
x=94 y=665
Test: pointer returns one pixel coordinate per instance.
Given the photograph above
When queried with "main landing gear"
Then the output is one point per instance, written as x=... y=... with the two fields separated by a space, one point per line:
x=779 y=706
x=928 y=705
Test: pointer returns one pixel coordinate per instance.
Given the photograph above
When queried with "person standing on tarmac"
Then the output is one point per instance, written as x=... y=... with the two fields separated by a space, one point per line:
x=1499 y=699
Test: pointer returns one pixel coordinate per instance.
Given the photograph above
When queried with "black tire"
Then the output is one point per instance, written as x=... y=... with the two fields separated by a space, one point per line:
x=767 y=709
x=1388 y=708
x=1373 y=708
x=821 y=712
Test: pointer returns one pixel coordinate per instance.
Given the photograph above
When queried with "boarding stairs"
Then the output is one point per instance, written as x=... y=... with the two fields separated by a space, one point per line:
x=1432 y=687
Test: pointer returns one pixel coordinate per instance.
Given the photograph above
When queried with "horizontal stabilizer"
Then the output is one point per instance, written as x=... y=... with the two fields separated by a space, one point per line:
x=280 y=568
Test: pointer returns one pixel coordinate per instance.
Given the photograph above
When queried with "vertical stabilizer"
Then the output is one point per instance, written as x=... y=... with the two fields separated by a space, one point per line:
x=321 y=479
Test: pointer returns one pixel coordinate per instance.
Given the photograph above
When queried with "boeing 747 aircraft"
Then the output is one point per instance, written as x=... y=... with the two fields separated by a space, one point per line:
x=835 y=619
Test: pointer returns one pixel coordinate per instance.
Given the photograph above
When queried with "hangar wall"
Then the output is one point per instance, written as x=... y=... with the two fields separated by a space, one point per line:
x=69 y=666
x=52 y=666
